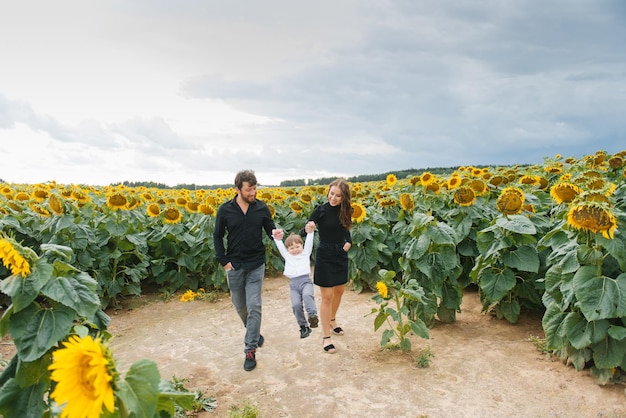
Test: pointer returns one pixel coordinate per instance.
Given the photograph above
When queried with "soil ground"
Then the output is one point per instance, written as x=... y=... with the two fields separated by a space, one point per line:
x=481 y=366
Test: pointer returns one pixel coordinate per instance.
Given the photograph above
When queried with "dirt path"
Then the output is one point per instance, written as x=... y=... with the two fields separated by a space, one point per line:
x=482 y=367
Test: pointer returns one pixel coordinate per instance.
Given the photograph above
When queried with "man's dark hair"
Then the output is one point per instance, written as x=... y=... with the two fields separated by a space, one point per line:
x=245 y=176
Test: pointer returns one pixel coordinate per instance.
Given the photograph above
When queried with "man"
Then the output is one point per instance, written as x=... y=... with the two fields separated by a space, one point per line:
x=243 y=220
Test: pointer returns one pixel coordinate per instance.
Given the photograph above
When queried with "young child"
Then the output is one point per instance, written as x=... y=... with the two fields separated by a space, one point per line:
x=297 y=255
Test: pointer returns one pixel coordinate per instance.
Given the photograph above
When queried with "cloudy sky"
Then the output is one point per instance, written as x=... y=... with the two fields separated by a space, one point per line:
x=191 y=91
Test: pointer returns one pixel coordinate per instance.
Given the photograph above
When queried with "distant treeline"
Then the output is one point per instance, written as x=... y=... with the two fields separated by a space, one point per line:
x=400 y=174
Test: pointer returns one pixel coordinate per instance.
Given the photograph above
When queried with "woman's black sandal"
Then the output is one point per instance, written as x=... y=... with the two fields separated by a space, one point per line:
x=329 y=348
x=337 y=330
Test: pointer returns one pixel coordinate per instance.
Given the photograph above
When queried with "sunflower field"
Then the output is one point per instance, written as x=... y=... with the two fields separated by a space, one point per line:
x=546 y=237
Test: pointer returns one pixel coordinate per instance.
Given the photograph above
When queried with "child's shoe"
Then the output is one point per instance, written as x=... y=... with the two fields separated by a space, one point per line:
x=304 y=331
x=313 y=321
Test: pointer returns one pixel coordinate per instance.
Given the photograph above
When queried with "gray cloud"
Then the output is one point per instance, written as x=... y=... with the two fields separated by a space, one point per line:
x=364 y=87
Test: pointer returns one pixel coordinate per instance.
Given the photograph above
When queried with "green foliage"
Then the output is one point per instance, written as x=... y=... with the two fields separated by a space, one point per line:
x=244 y=411
x=424 y=357
x=397 y=315
x=48 y=306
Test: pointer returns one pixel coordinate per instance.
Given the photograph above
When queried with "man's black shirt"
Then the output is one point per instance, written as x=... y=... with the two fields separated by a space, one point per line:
x=244 y=248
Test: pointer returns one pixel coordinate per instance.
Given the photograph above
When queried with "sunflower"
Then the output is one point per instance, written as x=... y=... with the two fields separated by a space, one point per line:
x=387 y=202
x=265 y=196
x=296 y=207
x=117 y=201
x=553 y=169
x=56 y=206
x=391 y=179
x=464 y=196
x=564 y=192
x=406 y=201
x=181 y=201
x=153 y=210
x=272 y=210
x=84 y=371
x=595 y=197
x=414 y=180
x=596 y=184
x=39 y=194
x=188 y=296
x=496 y=180
x=39 y=210
x=12 y=258
x=307 y=198
x=6 y=191
x=79 y=196
x=478 y=186
x=426 y=178
x=358 y=212
x=434 y=187
x=206 y=209
x=133 y=202
x=511 y=201
x=616 y=162
x=454 y=182
x=383 y=291
x=528 y=179
x=22 y=196
x=192 y=206
x=172 y=215
x=593 y=218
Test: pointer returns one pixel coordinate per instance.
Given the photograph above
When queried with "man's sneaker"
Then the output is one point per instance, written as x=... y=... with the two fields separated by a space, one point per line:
x=250 y=362
x=261 y=341
x=304 y=331
x=313 y=321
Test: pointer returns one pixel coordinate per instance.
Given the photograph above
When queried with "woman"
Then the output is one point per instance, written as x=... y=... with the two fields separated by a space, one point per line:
x=334 y=221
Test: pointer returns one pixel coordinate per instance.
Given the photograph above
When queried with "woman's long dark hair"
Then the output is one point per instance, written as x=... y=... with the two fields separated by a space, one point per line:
x=345 y=208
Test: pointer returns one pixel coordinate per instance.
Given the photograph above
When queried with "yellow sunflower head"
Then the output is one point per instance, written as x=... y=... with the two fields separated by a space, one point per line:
x=22 y=196
x=14 y=257
x=296 y=207
x=593 y=218
x=464 y=196
x=206 y=209
x=181 y=201
x=496 y=180
x=382 y=289
x=391 y=179
x=56 y=204
x=306 y=197
x=358 y=212
x=192 y=207
x=272 y=210
x=454 y=182
x=388 y=202
x=511 y=201
x=426 y=178
x=84 y=373
x=564 y=192
x=39 y=210
x=117 y=201
x=172 y=215
x=153 y=210
x=40 y=194
x=406 y=202
x=616 y=162
x=265 y=196
x=478 y=186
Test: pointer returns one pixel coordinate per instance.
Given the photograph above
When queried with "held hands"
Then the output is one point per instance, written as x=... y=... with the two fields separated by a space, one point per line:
x=309 y=227
x=278 y=234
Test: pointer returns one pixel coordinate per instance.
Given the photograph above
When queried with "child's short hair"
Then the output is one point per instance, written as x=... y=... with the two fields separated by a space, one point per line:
x=293 y=239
